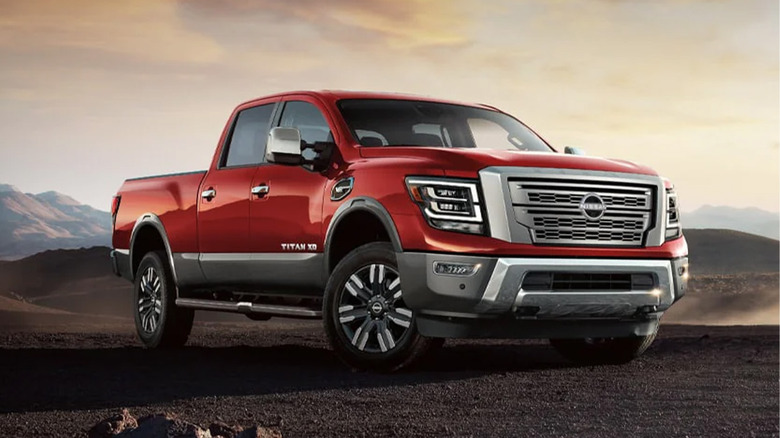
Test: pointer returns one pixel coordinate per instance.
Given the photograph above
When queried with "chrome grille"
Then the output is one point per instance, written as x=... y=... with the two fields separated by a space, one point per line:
x=550 y=208
x=543 y=197
x=582 y=223
x=581 y=235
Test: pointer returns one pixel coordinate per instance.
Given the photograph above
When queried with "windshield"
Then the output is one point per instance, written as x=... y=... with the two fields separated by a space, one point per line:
x=386 y=122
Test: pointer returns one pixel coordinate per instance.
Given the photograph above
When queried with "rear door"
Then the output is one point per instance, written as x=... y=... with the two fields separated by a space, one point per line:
x=223 y=216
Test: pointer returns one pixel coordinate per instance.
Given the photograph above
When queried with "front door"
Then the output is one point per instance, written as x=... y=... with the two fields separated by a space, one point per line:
x=223 y=216
x=286 y=218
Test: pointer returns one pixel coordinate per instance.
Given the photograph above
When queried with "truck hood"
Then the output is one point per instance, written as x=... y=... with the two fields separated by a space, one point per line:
x=466 y=162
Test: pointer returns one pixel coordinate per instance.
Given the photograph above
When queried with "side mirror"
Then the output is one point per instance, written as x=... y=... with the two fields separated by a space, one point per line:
x=284 y=146
x=322 y=153
x=573 y=151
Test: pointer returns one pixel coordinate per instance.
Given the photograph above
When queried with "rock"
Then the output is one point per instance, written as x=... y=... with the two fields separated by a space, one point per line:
x=259 y=432
x=113 y=425
x=168 y=426
x=164 y=426
x=219 y=429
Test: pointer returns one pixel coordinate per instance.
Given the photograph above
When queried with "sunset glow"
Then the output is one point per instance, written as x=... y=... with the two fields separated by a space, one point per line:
x=95 y=92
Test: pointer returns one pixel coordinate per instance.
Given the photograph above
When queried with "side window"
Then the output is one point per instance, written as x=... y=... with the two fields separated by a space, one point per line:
x=370 y=138
x=308 y=119
x=490 y=135
x=250 y=133
x=428 y=134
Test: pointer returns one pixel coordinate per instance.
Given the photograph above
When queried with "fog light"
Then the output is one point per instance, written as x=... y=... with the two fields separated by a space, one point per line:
x=464 y=227
x=457 y=269
x=655 y=292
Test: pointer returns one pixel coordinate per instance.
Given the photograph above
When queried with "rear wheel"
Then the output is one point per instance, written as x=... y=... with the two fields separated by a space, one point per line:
x=603 y=350
x=158 y=322
x=366 y=319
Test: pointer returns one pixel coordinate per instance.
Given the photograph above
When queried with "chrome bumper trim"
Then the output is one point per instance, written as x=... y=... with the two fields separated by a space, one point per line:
x=504 y=293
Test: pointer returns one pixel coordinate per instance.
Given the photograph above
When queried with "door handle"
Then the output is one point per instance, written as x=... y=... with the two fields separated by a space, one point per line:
x=208 y=194
x=260 y=190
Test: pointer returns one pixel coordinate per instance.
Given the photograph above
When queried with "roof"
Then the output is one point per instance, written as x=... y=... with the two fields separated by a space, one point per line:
x=333 y=96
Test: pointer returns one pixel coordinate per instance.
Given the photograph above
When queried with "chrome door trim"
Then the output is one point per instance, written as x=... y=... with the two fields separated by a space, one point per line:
x=256 y=256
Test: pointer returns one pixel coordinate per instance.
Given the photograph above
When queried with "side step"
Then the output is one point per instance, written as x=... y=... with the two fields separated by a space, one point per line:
x=247 y=307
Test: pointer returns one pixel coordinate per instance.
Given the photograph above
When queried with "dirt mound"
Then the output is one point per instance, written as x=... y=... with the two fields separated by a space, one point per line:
x=45 y=272
x=13 y=304
x=167 y=425
x=717 y=252
x=744 y=299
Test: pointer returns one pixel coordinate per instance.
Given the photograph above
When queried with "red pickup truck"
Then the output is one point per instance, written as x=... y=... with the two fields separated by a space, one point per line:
x=402 y=221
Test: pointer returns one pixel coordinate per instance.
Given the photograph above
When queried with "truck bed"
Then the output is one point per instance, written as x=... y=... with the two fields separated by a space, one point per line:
x=173 y=198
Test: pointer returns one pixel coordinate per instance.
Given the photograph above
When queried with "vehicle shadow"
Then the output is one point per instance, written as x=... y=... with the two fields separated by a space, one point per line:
x=76 y=379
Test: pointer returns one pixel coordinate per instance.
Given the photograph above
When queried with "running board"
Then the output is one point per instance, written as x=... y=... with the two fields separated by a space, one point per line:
x=247 y=307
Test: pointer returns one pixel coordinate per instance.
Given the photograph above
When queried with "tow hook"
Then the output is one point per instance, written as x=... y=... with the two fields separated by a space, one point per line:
x=526 y=311
x=646 y=310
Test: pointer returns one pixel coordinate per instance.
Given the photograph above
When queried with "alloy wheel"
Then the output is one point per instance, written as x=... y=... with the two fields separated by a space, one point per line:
x=372 y=313
x=150 y=300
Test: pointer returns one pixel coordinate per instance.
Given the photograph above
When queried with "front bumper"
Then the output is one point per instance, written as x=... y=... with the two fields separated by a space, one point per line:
x=493 y=303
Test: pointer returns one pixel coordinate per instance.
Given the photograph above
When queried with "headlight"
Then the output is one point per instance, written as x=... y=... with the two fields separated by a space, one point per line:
x=451 y=205
x=673 y=226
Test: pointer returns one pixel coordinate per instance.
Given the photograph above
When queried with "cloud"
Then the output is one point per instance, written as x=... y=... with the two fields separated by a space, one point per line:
x=140 y=31
x=115 y=81
x=396 y=24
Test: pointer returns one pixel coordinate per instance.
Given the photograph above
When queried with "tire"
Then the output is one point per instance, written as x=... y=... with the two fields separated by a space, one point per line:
x=158 y=322
x=593 y=351
x=366 y=321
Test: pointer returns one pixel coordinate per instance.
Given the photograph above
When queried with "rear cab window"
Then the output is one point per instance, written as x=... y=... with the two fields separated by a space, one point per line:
x=248 y=137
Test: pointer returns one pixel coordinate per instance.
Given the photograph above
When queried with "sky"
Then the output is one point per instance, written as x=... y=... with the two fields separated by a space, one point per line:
x=93 y=92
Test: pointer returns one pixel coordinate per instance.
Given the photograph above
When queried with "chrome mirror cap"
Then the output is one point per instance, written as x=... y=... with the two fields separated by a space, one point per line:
x=284 y=146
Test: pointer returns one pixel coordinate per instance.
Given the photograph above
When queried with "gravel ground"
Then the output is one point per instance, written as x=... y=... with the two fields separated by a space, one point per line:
x=694 y=381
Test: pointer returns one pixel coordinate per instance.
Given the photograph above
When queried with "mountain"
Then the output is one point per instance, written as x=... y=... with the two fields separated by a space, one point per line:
x=731 y=252
x=31 y=223
x=749 y=220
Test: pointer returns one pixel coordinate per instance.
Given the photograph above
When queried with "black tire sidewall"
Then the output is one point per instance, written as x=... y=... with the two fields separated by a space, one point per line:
x=360 y=257
x=154 y=260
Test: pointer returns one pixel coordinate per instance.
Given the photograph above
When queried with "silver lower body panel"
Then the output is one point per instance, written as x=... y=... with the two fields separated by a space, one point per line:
x=504 y=291
x=495 y=292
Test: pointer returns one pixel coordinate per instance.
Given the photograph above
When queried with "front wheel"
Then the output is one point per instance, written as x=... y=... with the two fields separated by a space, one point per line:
x=366 y=319
x=593 y=351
